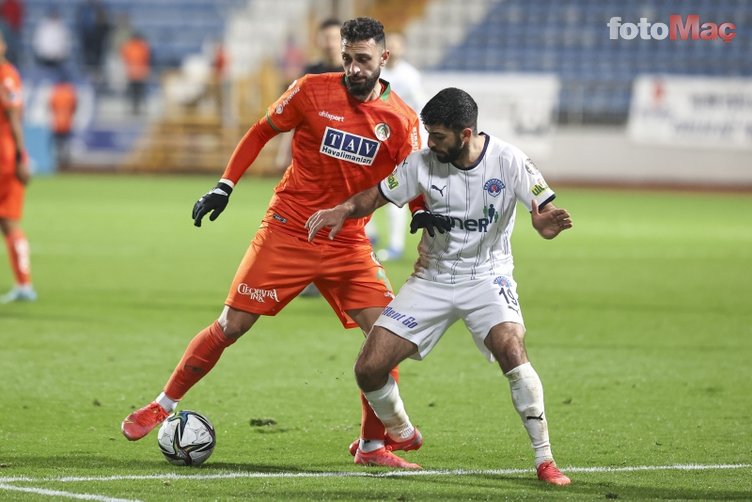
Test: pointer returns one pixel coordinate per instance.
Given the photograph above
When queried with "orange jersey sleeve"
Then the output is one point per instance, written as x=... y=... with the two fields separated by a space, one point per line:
x=11 y=97
x=340 y=147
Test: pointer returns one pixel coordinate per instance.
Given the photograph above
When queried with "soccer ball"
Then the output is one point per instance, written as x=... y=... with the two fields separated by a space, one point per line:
x=187 y=438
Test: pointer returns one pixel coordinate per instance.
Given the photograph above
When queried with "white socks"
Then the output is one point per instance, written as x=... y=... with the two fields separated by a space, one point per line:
x=165 y=402
x=527 y=396
x=387 y=404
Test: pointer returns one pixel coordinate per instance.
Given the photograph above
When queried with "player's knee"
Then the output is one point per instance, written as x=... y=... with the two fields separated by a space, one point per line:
x=369 y=375
x=235 y=323
x=506 y=341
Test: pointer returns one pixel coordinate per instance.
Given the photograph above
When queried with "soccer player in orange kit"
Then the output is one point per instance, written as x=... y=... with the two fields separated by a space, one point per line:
x=14 y=175
x=350 y=132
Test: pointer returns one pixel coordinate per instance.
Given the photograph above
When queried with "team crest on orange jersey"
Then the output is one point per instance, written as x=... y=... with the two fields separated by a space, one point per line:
x=382 y=131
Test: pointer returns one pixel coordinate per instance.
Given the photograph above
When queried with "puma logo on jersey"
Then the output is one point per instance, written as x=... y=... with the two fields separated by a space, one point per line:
x=350 y=147
x=440 y=190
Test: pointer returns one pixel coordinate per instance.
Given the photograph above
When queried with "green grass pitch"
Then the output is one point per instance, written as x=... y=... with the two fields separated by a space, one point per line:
x=639 y=323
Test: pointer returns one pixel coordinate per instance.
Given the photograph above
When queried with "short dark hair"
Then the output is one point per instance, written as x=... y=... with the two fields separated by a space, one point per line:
x=329 y=23
x=452 y=108
x=362 y=28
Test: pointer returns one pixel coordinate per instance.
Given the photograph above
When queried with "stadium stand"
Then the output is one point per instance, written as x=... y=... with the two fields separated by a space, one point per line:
x=174 y=28
x=571 y=40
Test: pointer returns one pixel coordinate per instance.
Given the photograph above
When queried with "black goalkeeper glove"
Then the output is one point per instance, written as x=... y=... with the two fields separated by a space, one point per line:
x=214 y=201
x=430 y=221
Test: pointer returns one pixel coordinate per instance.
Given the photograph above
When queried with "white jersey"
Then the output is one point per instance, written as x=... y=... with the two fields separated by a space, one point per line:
x=405 y=79
x=480 y=201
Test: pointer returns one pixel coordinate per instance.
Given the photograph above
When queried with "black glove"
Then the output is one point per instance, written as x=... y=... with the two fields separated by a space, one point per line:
x=215 y=201
x=429 y=221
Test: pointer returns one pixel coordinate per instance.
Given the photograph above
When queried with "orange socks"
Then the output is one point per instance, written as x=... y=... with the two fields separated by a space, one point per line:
x=18 y=252
x=370 y=425
x=199 y=358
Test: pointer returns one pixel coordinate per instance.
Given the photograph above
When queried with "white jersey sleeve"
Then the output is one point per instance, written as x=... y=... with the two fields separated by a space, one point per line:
x=402 y=185
x=528 y=182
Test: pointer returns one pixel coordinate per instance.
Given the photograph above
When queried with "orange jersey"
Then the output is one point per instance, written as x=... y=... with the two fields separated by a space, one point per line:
x=136 y=57
x=10 y=98
x=340 y=147
x=63 y=103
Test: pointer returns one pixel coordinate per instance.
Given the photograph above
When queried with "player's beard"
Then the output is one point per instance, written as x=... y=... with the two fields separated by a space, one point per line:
x=362 y=88
x=452 y=154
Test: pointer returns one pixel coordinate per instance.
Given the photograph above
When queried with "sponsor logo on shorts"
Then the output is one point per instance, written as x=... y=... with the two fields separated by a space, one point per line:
x=257 y=294
x=494 y=186
x=279 y=218
x=350 y=147
x=407 y=320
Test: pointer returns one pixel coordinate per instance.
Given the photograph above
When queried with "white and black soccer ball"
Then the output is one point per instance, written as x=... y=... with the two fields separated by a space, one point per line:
x=187 y=438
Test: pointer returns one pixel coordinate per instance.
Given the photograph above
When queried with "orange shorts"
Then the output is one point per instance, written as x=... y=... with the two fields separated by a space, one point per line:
x=11 y=197
x=278 y=265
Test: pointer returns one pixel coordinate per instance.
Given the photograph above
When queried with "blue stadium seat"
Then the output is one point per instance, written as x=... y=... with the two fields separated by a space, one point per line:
x=571 y=39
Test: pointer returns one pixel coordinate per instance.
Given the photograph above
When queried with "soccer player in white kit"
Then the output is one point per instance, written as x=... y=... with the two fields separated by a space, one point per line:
x=471 y=183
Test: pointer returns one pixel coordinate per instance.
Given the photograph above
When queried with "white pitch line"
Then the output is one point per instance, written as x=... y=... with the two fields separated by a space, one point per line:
x=365 y=474
x=59 y=493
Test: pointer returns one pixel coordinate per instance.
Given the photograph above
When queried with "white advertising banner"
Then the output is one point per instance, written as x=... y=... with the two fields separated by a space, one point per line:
x=518 y=108
x=687 y=111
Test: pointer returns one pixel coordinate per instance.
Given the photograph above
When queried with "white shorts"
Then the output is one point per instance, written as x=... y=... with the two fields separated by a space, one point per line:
x=423 y=310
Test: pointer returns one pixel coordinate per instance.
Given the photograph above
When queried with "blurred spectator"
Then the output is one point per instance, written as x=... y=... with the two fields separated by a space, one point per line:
x=14 y=175
x=328 y=43
x=120 y=32
x=93 y=26
x=293 y=60
x=405 y=80
x=403 y=77
x=136 y=55
x=63 y=103
x=330 y=54
x=52 y=41
x=11 y=21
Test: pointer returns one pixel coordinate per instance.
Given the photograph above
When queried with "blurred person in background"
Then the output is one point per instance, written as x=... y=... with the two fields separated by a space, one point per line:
x=12 y=13
x=292 y=61
x=328 y=43
x=464 y=274
x=350 y=131
x=114 y=69
x=52 y=41
x=405 y=79
x=136 y=55
x=62 y=105
x=14 y=175
x=93 y=27
x=330 y=50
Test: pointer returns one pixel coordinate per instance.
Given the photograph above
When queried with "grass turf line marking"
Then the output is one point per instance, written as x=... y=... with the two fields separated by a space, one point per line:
x=361 y=474
x=58 y=493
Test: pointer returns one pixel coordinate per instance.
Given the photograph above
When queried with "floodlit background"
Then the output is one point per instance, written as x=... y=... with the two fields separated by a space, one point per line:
x=638 y=319
x=547 y=74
